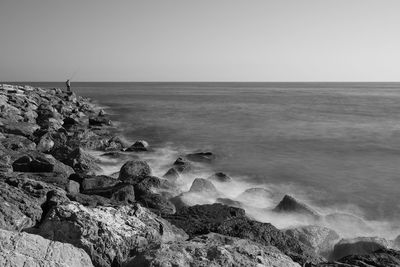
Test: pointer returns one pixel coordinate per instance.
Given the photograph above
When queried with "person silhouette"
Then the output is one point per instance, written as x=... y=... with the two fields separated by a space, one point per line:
x=68 y=83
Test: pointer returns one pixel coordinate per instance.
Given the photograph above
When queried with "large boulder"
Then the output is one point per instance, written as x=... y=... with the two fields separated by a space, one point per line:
x=23 y=249
x=290 y=205
x=109 y=235
x=358 y=246
x=82 y=162
x=134 y=171
x=321 y=239
x=213 y=250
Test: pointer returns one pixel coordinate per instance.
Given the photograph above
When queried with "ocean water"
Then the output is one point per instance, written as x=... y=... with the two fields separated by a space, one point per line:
x=335 y=146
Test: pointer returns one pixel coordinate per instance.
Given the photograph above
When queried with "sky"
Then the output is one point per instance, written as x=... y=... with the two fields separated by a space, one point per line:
x=204 y=40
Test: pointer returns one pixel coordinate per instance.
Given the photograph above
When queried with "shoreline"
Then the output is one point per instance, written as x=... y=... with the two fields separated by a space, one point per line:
x=46 y=136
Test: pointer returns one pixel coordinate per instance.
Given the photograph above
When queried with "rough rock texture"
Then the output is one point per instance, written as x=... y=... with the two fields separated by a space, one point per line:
x=82 y=162
x=290 y=204
x=22 y=249
x=109 y=235
x=213 y=250
x=321 y=239
x=182 y=165
x=134 y=171
x=358 y=246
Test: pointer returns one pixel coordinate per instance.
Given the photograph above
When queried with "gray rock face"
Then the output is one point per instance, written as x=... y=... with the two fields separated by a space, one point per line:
x=18 y=128
x=22 y=249
x=17 y=143
x=172 y=175
x=109 y=235
x=97 y=184
x=134 y=171
x=213 y=250
x=182 y=165
x=82 y=162
x=290 y=204
x=201 y=185
x=358 y=246
x=322 y=239
x=138 y=146
x=46 y=143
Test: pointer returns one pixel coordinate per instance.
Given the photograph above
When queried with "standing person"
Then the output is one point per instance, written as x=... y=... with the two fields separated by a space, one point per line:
x=68 y=83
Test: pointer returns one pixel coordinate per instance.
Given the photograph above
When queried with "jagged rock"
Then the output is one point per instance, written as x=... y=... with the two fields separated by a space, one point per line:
x=182 y=165
x=321 y=239
x=201 y=157
x=201 y=185
x=220 y=177
x=18 y=128
x=172 y=175
x=229 y=202
x=358 y=246
x=82 y=162
x=139 y=145
x=23 y=249
x=109 y=235
x=290 y=204
x=134 y=171
x=17 y=143
x=379 y=258
x=230 y=221
x=213 y=250
x=259 y=197
x=46 y=143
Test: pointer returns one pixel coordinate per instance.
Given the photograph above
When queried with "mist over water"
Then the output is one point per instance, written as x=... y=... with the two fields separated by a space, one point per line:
x=333 y=146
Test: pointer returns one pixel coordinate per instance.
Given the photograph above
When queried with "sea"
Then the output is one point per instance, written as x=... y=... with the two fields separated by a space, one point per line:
x=334 y=146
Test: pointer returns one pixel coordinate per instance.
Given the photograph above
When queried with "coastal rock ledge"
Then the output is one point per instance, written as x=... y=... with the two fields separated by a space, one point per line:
x=58 y=208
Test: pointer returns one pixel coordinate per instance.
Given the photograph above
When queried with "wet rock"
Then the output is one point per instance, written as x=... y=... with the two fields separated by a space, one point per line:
x=134 y=171
x=290 y=204
x=99 y=121
x=259 y=197
x=220 y=177
x=358 y=246
x=109 y=235
x=114 y=155
x=23 y=249
x=213 y=250
x=201 y=185
x=157 y=203
x=147 y=186
x=206 y=157
x=82 y=162
x=182 y=165
x=321 y=239
x=172 y=175
x=138 y=146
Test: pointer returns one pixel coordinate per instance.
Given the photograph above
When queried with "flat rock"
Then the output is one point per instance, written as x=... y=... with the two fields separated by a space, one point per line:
x=213 y=250
x=109 y=235
x=23 y=249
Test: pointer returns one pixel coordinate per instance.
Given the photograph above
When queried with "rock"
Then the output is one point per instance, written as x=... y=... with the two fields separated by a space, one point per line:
x=290 y=204
x=201 y=185
x=182 y=165
x=98 y=185
x=213 y=250
x=321 y=239
x=379 y=258
x=99 y=121
x=23 y=249
x=148 y=185
x=256 y=197
x=114 y=155
x=18 y=128
x=134 y=171
x=73 y=187
x=171 y=175
x=17 y=143
x=229 y=202
x=90 y=200
x=201 y=157
x=358 y=246
x=109 y=235
x=101 y=113
x=46 y=143
x=396 y=242
x=139 y=145
x=30 y=164
x=220 y=177
x=124 y=193
x=157 y=203
x=82 y=162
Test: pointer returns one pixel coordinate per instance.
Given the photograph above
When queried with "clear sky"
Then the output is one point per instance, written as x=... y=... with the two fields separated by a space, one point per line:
x=204 y=40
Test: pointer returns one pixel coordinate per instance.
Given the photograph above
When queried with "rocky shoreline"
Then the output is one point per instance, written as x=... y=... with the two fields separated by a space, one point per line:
x=58 y=209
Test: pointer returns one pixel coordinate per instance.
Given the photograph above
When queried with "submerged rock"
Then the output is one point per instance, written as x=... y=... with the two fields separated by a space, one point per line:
x=256 y=197
x=109 y=235
x=134 y=171
x=220 y=177
x=201 y=185
x=213 y=250
x=172 y=175
x=206 y=157
x=290 y=204
x=182 y=165
x=139 y=145
x=82 y=162
x=23 y=249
